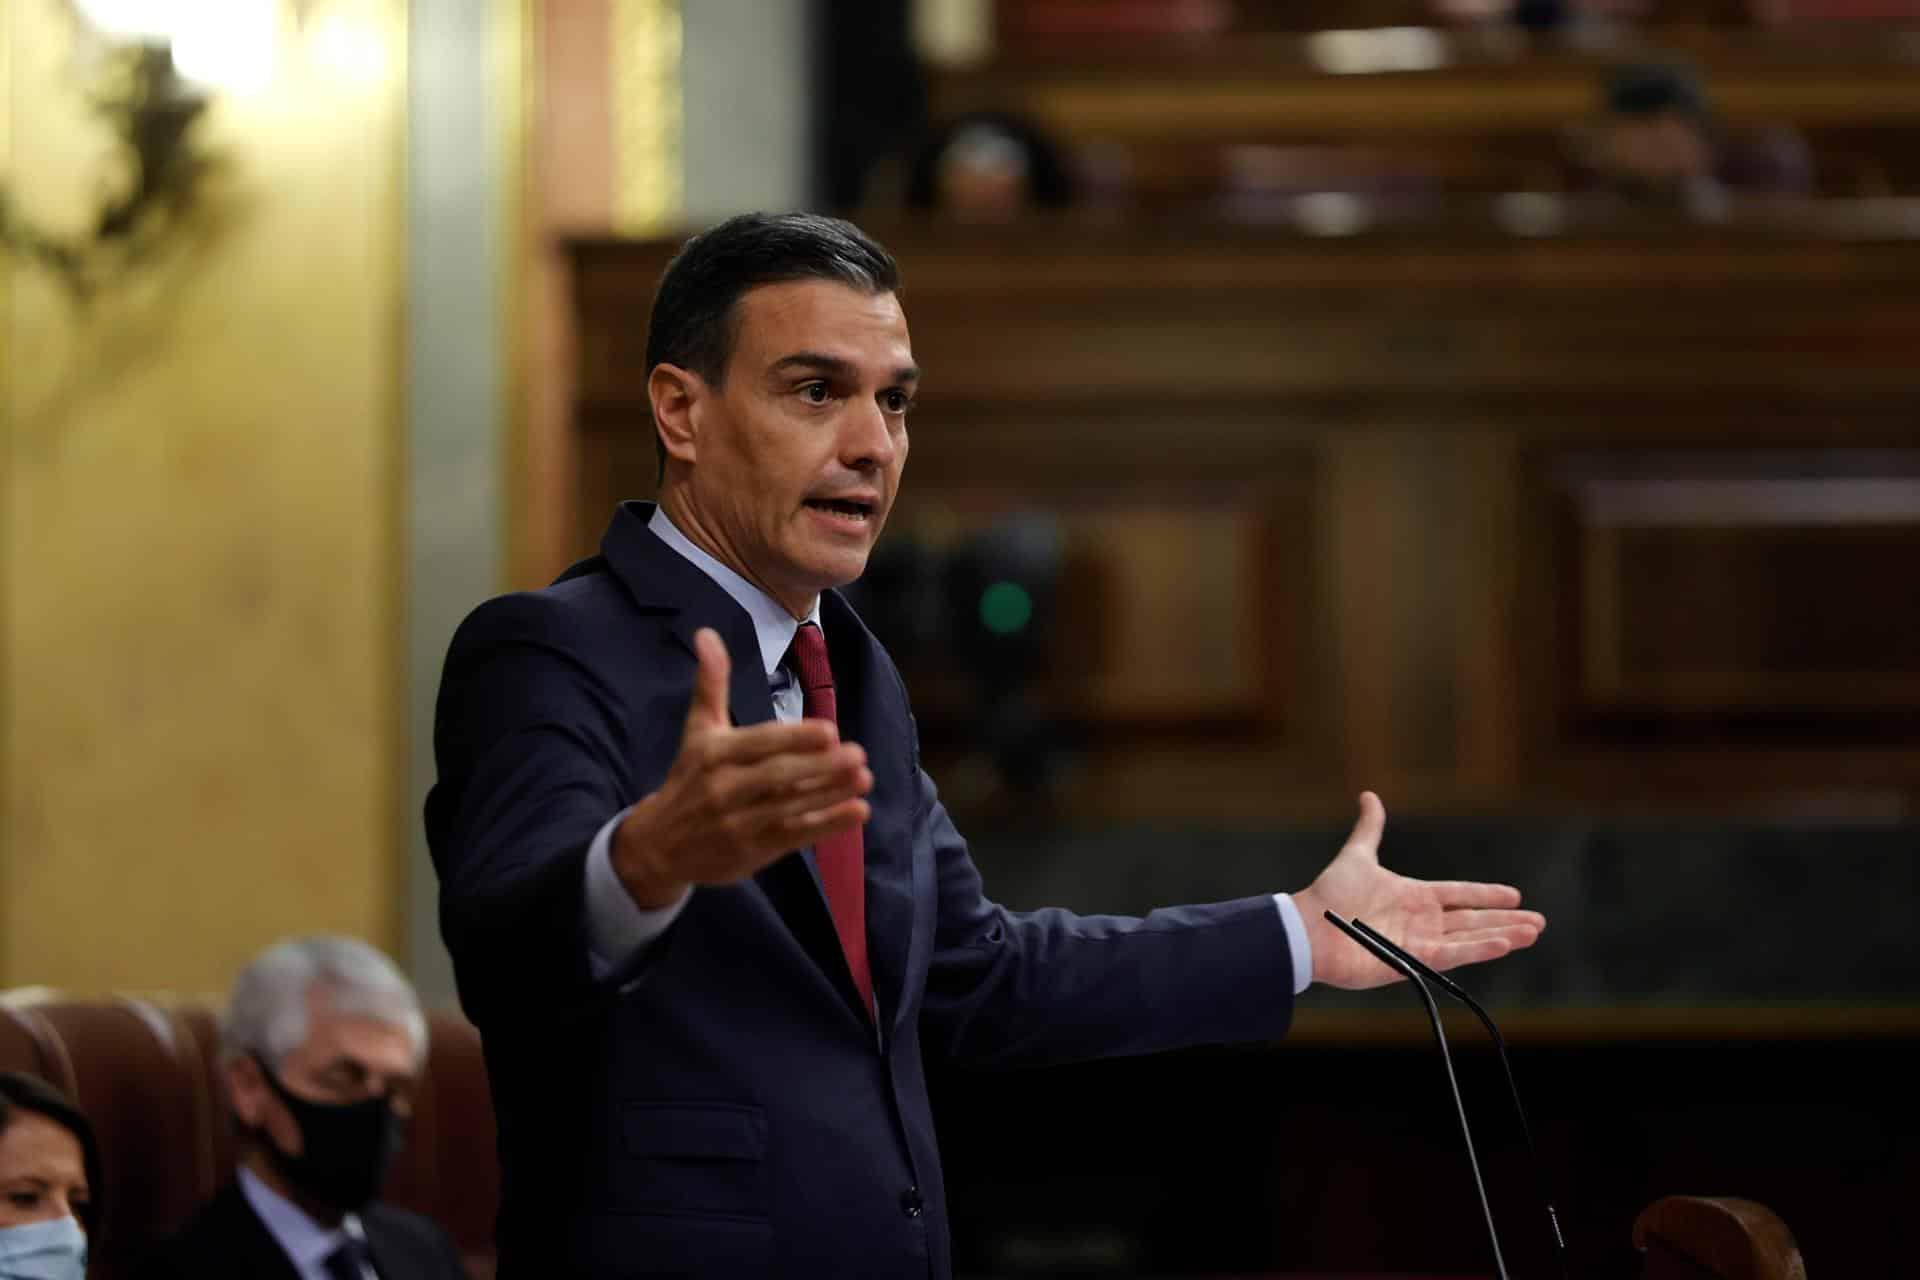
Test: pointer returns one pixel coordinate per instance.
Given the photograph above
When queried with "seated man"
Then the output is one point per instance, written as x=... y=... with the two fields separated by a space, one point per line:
x=321 y=1045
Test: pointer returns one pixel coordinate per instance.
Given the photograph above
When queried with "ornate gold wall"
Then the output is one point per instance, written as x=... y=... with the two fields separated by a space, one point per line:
x=200 y=625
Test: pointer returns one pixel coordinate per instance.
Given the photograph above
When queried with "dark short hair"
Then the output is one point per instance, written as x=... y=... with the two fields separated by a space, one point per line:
x=1656 y=88
x=695 y=310
x=22 y=1092
x=694 y=321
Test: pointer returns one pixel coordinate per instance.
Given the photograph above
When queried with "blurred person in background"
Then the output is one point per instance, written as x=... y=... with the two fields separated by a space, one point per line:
x=49 y=1176
x=708 y=912
x=1654 y=144
x=322 y=1044
x=988 y=166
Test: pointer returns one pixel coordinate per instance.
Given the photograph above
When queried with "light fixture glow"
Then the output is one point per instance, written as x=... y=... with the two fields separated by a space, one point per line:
x=228 y=44
x=347 y=49
x=131 y=19
x=1332 y=213
x=1376 y=50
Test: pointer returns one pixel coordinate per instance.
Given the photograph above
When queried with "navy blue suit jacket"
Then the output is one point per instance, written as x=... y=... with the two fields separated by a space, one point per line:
x=726 y=1109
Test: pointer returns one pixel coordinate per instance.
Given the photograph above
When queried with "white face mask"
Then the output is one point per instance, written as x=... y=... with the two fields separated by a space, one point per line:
x=55 y=1250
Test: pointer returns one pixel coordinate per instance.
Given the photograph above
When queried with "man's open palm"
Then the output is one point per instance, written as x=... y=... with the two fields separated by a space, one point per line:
x=736 y=797
x=1444 y=922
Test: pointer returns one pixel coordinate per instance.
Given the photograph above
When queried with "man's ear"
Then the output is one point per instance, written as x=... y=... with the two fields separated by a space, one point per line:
x=676 y=395
x=246 y=1090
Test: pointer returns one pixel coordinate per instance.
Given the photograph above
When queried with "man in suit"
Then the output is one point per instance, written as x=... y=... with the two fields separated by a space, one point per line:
x=321 y=1047
x=705 y=907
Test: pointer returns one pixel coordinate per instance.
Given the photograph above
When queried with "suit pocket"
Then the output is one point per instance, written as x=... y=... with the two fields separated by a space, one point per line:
x=696 y=1158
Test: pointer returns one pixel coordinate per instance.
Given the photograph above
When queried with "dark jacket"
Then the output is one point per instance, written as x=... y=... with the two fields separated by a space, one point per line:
x=225 y=1240
x=728 y=1109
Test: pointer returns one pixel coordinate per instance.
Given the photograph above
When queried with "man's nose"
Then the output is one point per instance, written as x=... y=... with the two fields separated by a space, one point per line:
x=868 y=442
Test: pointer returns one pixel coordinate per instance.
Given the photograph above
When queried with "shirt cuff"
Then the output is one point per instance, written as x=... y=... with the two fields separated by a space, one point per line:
x=1297 y=944
x=618 y=928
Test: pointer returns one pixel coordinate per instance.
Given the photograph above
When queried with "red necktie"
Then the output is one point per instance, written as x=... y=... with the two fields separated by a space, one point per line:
x=841 y=858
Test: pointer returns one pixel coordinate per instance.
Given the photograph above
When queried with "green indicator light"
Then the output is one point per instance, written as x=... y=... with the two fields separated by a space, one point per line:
x=1005 y=607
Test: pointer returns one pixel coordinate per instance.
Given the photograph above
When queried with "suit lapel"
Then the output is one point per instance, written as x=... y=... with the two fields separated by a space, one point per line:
x=250 y=1249
x=661 y=580
x=392 y=1245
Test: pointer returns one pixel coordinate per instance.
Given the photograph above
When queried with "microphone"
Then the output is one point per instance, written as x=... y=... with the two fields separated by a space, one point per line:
x=1391 y=957
x=1455 y=990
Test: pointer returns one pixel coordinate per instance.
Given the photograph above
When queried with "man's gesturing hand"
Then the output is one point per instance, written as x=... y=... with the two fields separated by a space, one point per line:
x=1444 y=922
x=736 y=798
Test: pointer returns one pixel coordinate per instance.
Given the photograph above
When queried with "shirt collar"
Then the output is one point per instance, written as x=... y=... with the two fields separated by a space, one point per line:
x=304 y=1241
x=772 y=624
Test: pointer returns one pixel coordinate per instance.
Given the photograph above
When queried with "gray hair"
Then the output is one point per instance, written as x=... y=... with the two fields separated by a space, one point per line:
x=267 y=1010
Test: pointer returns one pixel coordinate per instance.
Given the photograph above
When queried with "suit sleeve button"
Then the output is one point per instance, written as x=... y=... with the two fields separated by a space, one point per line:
x=911 y=1202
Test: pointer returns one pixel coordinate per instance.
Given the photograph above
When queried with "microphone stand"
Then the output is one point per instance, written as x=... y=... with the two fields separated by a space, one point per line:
x=1459 y=993
x=1394 y=962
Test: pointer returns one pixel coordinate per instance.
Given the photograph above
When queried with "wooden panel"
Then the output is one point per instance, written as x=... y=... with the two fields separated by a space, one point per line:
x=1702 y=587
x=1162 y=614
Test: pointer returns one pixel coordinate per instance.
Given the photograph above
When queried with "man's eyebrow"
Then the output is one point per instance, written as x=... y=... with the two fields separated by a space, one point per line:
x=820 y=362
x=814 y=361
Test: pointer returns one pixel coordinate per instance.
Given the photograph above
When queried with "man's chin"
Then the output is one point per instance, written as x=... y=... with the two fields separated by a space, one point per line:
x=819 y=566
x=836 y=571
x=849 y=573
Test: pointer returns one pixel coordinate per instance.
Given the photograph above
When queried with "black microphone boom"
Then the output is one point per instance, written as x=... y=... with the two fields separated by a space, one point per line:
x=1454 y=989
x=1387 y=957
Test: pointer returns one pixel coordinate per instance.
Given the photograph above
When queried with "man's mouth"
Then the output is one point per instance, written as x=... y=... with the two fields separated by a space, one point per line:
x=845 y=508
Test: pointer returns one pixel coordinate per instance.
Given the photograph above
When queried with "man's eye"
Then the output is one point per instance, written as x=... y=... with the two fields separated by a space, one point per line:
x=898 y=402
x=815 y=393
x=23 y=1199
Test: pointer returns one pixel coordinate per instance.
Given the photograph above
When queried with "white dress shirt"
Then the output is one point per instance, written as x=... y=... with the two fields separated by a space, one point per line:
x=618 y=928
x=306 y=1243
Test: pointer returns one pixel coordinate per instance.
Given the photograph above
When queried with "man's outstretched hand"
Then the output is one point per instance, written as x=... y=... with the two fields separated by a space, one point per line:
x=737 y=797
x=1444 y=922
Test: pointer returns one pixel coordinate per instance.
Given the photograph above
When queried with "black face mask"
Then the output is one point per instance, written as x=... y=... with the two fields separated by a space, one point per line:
x=346 y=1148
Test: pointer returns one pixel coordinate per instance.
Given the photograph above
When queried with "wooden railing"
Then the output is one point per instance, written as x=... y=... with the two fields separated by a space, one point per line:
x=1178 y=125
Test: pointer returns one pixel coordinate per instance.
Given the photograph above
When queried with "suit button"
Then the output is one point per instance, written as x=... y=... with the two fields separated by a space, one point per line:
x=910 y=1202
